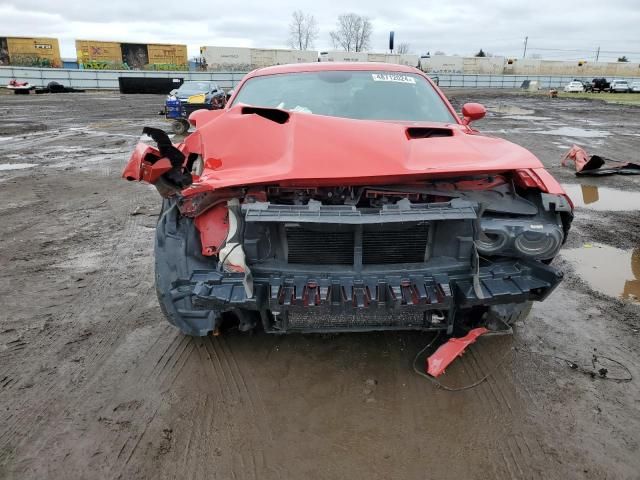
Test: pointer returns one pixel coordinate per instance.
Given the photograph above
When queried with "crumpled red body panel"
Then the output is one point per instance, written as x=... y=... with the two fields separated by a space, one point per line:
x=314 y=150
x=447 y=353
x=141 y=170
x=133 y=170
x=578 y=155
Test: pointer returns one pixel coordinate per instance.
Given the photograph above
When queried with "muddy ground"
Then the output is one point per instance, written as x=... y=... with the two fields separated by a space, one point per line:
x=95 y=384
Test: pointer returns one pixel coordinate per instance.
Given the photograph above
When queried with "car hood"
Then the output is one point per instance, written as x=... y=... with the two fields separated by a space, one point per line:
x=245 y=146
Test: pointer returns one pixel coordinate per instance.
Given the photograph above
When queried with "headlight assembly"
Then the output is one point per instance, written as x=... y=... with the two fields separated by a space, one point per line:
x=535 y=244
x=491 y=242
x=530 y=238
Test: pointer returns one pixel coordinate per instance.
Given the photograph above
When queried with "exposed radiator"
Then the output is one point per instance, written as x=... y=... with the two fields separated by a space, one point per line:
x=402 y=246
x=322 y=246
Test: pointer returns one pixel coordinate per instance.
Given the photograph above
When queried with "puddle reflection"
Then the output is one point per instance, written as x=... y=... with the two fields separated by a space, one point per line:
x=608 y=270
x=509 y=110
x=602 y=198
x=16 y=166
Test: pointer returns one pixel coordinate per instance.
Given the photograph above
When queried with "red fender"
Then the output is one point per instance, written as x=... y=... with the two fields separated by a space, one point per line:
x=139 y=169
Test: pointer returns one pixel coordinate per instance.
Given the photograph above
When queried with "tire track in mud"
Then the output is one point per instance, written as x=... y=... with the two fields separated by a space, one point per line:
x=52 y=341
x=240 y=395
x=217 y=408
x=496 y=400
x=89 y=299
x=133 y=419
x=519 y=456
x=226 y=404
x=208 y=431
x=249 y=391
x=160 y=381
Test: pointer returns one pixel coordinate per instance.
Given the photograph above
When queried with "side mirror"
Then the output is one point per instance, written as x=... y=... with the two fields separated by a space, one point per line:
x=472 y=112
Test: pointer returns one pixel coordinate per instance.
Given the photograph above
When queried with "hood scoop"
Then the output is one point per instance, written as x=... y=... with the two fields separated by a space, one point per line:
x=428 y=132
x=273 y=114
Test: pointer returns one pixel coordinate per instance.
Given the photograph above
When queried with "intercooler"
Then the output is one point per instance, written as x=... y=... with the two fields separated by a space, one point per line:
x=345 y=244
x=357 y=320
x=346 y=236
x=319 y=248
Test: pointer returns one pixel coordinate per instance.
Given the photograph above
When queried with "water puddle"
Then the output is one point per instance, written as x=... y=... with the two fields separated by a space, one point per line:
x=608 y=270
x=526 y=117
x=602 y=198
x=509 y=110
x=16 y=166
x=576 y=132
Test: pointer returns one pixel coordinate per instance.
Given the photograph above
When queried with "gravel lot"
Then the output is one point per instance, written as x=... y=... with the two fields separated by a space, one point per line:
x=95 y=384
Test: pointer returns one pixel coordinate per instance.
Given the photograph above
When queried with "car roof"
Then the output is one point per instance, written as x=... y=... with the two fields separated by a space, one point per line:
x=332 y=66
x=197 y=81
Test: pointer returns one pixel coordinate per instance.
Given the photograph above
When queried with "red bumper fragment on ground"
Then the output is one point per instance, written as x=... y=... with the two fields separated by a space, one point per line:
x=448 y=352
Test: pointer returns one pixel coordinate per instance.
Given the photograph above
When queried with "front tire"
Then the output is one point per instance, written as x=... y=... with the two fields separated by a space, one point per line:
x=499 y=317
x=180 y=127
x=177 y=255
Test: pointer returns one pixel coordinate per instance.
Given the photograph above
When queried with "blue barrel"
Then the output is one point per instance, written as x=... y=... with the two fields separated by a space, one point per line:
x=173 y=108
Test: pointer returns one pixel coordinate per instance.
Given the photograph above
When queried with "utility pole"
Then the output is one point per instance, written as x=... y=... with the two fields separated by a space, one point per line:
x=526 y=39
x=598 y=53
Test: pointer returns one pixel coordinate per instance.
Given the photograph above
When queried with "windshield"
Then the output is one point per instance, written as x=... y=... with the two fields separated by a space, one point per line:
x=191 y=88
x=365 y=95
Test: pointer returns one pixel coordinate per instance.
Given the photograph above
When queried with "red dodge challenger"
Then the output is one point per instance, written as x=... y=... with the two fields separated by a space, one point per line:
x=333 y=197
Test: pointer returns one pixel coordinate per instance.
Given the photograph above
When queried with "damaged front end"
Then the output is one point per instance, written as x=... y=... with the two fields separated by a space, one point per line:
x=433 y=254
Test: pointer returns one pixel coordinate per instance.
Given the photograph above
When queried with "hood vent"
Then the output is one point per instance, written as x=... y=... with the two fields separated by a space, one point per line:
x=273 y=114
x=428 y=132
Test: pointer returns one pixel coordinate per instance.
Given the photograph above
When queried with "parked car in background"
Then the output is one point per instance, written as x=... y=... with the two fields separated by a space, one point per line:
x=348 y=197
x=619 y=86
x=188 y=89
x=600 y=84
x=574 y=86
x=635 y=87
x=192 y=96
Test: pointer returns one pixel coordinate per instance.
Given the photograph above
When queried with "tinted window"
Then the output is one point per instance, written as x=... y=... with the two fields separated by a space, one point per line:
x=372 y=95
x=192 y=88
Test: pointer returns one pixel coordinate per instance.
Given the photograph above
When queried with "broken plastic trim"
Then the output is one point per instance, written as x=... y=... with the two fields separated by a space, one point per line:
x=448 y=352
x=402 y=211
x=232 y=257
x=177 y=175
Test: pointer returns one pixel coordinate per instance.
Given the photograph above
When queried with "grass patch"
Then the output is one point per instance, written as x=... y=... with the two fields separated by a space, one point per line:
x=623 y=98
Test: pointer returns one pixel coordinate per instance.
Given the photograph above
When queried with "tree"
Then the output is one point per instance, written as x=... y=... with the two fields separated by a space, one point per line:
x=481 y=54
x=303 y=30
x=623 y=59
x=403 y=48
x=352 y=33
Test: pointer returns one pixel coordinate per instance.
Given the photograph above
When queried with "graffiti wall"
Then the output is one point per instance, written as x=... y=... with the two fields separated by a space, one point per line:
x=99 y=55
x=30 y=52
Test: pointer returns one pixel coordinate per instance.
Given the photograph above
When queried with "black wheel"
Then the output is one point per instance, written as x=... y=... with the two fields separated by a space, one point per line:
x=499 y=317
x=180 y=127
x=177 y=255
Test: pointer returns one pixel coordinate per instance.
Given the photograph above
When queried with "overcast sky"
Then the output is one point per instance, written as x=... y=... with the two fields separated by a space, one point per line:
x=452 y=26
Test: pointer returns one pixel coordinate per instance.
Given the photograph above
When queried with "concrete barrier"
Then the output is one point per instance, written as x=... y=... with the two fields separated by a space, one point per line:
x=108 y=79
